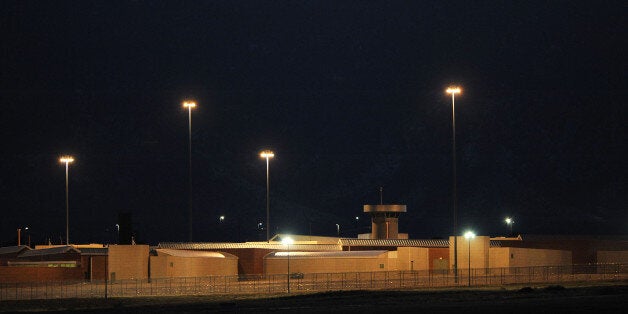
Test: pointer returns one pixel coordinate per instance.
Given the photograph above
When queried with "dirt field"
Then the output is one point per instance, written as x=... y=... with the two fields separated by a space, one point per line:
x=607 y=298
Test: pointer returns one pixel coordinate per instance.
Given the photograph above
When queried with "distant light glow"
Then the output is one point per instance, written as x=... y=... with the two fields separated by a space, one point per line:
x=66 y=159
x=454 y=90
x=469 y=235
x=267 y=154
x=189 y=104
x=509 y=221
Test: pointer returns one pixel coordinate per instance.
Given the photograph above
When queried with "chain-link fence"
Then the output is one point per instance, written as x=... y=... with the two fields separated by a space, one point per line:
x=298 y=282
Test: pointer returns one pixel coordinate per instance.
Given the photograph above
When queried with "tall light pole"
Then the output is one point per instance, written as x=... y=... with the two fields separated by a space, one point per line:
x=469 y=235
x=190 y=105
x=288 y=242
x=267 y=154
x=67 y=160
x=509 y=221
x=453 y=91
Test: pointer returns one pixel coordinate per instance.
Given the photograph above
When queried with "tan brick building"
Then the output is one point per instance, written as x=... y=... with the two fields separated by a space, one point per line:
x=181 y=263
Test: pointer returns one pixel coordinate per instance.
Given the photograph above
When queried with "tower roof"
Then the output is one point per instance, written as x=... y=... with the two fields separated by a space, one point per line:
x=390 y=208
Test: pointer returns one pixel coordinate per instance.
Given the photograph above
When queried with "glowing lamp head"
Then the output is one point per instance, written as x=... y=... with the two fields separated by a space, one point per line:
x=454 y=90
x=469 y=235
x=509 y=221
x=287 y=241
x=66 y=159
x=267 y=154
x=189 y=104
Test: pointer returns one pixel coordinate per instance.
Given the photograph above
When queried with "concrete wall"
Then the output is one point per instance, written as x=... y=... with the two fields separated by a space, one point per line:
x=166 y=266
x=478 y=248
x=523 y=257
x=499 y=257
x=612 y=257
x=298 y=264
x=128 y=262
x=412 y=258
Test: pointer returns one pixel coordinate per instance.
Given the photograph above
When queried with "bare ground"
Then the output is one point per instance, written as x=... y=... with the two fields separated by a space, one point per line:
x=574 y=298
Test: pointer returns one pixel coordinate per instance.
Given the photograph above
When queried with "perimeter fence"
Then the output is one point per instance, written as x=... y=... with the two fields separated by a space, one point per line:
x=315 y=282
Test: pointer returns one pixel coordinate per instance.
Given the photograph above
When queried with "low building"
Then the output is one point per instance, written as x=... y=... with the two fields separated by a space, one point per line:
x=94 y=261
x=326 y=262
x=11 y=252
x=584 y=249
x=61 y=263
x=612 y=257
x=408 y=254
x=170 y=263
x=527 y=257
x=119 y=262
x=251 y=254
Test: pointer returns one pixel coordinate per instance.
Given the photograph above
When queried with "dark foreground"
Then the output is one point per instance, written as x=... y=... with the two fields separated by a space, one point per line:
x=548 y=299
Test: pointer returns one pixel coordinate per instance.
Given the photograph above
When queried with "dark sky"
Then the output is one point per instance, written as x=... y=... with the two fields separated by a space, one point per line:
x=349 y=95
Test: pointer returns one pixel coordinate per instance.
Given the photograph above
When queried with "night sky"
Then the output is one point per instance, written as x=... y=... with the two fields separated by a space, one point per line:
x=350 y=95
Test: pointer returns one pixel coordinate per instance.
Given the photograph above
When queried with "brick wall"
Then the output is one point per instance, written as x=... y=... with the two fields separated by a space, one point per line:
x=175 y=266
x=307 y=265
x=476 y=248
x=439 y=258
x=618 y=257
x=9 y=274
x=250 y=261
x=524 y=257
x=412 y=258
x=93 y=266
x=583 y=248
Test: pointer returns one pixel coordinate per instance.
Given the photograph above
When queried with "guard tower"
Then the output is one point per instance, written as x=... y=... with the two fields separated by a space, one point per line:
x=385 y=220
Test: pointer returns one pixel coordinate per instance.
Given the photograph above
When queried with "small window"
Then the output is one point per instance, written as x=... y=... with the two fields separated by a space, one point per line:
x=512 y=256
x=381 y=265
x=171 y=264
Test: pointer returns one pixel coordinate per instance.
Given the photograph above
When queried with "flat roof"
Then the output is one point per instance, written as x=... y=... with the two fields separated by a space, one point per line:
x=337 y=254
x=94 y=251
x=395 y=242
x=13 y=249
x=249 y=245
x=390 y=208
x=306 y=239
x=187 y=253
x=49 y=251
x=313 y=245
